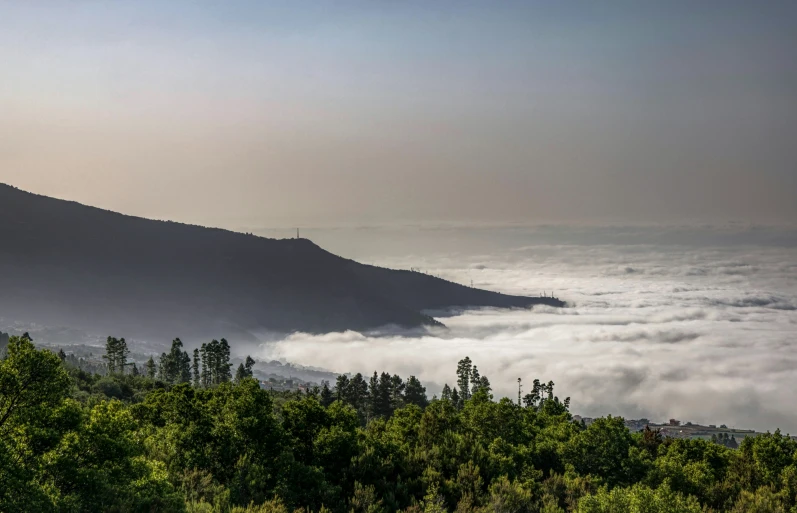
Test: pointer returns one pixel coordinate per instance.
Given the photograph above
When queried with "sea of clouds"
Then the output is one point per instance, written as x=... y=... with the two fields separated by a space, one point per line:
x=698 y=324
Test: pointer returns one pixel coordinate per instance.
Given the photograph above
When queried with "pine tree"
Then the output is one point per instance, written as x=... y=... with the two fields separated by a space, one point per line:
x=240 y=374
x=195 y=368
x=357 y=396
x=327 y=397
x=464 y=371
x=216 y=366
x=134 y=369
x=249 y=364
x=184 y=367
x=445 y=395
x=205 y=375
x=385 y=394
x=116 y=353
x=175 y=367
x=475 y=380
x=373 y=396
x=415 y=393
x=163 y=363
x=110 y=354
x=484 y=384
x=342 y=388
x=121 y=356
x=150 y=368
x=397 y=387
x=224 y=365
x=455 y=398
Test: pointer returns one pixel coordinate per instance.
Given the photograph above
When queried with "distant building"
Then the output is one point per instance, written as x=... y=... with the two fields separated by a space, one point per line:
x=674 y=422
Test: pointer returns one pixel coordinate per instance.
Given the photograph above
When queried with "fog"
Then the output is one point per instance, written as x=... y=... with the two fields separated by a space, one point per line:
x=694 y=331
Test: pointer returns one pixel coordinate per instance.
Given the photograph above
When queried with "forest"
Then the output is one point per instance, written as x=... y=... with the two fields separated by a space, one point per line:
x=187 y=434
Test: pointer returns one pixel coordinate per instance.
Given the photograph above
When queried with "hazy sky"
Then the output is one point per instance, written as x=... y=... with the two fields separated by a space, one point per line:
x=284 y=113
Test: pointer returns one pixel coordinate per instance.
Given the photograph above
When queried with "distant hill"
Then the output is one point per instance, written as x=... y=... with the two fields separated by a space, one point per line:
x=63 y=263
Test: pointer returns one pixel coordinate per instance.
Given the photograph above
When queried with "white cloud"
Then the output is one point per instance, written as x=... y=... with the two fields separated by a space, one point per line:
x=706 y=334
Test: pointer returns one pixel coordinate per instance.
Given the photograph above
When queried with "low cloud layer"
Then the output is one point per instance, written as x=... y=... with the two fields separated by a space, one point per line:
x=698 y=333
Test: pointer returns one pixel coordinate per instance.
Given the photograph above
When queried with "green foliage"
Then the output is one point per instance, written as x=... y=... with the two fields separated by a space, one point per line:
x=603 y=450
x=415 y=393
x=32 y=383
x=150 y=368
x=56 y=455
x=195 y=441
x=244 y=369
x=116 y=353
x=175 y=366
x=638 y=499
x=215 y=358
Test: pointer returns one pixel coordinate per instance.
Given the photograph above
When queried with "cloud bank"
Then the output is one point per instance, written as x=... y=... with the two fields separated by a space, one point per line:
x=702 y=334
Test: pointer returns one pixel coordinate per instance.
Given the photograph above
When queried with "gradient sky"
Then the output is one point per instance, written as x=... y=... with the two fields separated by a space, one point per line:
x=285 y=113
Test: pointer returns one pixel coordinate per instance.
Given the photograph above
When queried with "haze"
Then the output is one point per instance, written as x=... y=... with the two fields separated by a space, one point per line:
x=283 y=113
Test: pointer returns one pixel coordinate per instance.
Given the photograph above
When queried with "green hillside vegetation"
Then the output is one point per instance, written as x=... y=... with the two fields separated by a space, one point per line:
x=188 y=434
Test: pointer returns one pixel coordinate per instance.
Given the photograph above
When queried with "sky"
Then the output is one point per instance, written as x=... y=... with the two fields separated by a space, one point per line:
x=291 y=113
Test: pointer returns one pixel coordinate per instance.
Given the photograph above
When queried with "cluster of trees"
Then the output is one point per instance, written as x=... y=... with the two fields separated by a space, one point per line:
x=215 y=360
x=469 y=382
x=724 y=439
x=78 y=362
x=174 y=366
x=378 y=397
x=116 y=353
x=244 y=369
x=69 y=441
x=209 y=366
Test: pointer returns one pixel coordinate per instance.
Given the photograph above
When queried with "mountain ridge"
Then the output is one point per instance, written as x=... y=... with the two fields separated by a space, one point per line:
x=91 y=268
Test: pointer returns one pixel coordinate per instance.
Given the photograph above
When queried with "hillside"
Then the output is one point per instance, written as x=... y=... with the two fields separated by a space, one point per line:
x=62 y=263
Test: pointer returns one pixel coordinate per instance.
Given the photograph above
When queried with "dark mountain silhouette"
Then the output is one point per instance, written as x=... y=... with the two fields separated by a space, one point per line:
x=62 y=263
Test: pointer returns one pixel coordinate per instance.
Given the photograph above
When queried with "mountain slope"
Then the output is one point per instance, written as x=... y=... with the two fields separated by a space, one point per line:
x=68 y=264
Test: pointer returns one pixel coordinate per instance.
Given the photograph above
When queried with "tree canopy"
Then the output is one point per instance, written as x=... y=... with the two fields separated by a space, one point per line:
x=174 y=442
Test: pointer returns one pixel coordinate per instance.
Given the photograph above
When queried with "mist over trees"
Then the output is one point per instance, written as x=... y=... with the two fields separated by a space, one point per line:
x=80 y=442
